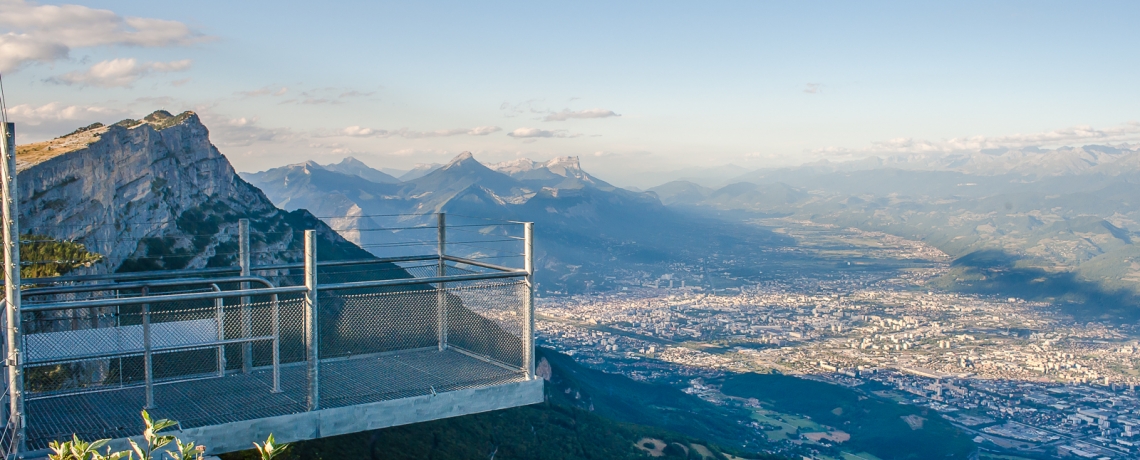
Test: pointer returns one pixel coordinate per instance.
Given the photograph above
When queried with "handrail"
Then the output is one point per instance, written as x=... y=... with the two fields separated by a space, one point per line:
x=129 y=275
x=427 y=280
x=164 y=298
x=214 y=271
x=115 y=286
x=337 y=263
x=267 y=291
x=140 y=351
x=479 y=264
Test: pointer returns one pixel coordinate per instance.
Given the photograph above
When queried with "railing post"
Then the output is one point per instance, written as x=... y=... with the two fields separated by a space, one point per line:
x=220 y=318
x=11 y=286
x=275 y=324
x=12 y=281
x=440 y=294
x=312 y=328
x=148 y=361
x=528 y=299
x=246 y=310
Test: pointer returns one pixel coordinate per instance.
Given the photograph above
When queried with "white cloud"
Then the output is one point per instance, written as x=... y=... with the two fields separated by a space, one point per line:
x=567 y=114
x=55 y=111
x=36 y=123
x=265 y=91
x=813 y=88
x=47 y=33
x=358 y=131
x=241 y=131
x=17 y=49
x=120 y=72
x=531 y=133
x=1056 y=138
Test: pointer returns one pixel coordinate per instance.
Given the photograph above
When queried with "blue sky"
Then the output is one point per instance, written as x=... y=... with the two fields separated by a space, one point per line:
x=628 y=86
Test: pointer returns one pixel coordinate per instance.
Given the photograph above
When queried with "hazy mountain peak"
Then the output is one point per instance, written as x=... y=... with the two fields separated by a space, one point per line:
x=464 y=158
x=351 y=160
x=515 y=166
x=419 y=170
x=354 y=167
x=565 y=166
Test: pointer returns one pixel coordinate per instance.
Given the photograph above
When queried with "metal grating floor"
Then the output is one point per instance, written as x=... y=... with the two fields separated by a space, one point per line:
x=236 y=397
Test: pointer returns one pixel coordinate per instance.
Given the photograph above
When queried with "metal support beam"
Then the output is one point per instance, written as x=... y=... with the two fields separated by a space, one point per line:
x=312 y=328
x=246 y=310
x=148 y=356
x=220 y=318
x=276 y=331
x=440 y=294
x=528 y=299
x=11 y=216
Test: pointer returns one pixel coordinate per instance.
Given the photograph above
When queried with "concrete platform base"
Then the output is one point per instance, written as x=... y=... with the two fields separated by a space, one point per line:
x=235 y=436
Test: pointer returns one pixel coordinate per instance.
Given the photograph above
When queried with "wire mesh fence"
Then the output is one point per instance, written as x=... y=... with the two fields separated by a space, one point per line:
x=96 y=348
x=190 y=347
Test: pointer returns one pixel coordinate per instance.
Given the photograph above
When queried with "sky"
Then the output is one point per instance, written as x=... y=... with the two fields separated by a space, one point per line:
x=629 y=87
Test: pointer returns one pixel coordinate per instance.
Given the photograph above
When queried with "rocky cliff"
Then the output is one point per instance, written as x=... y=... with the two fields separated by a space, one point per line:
x=155 y=194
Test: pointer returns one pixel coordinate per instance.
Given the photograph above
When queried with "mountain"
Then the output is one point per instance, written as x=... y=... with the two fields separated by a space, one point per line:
x=1064 y=228
x=155 y=194
x=585 y=227
x=713 y=176
x=736 y=196
x=418 y=171
x=561 y=172
x=354 y=167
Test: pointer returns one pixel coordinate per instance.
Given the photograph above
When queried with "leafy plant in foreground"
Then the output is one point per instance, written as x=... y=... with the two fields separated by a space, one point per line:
x=150 y=449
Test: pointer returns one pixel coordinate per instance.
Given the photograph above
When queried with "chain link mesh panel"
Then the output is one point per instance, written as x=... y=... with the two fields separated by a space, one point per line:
x=86 y=367
x=105 y=347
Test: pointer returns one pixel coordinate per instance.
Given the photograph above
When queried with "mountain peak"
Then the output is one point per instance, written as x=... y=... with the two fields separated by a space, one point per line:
x=461 y=159
x=562 y=165
x=311 y=165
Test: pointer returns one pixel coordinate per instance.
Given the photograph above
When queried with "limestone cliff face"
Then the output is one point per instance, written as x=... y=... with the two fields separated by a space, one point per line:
x=154 y=194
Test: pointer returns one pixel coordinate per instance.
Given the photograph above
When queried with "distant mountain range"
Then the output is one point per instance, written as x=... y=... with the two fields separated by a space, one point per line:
x=1070 y=236
x=584 y=225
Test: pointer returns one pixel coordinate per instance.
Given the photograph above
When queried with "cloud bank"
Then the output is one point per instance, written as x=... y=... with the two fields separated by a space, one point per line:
x=358 y=131
x=1055 y=138
x=567 y=114
x=46 y=33
x=531 y=133
x=120 y=72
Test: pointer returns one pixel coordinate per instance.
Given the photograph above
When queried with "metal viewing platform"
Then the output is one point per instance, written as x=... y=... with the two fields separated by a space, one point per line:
x=298 y=350
x=302 y=351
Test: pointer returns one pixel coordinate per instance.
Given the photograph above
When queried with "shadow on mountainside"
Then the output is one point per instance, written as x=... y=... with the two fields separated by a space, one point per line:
x=995 y=272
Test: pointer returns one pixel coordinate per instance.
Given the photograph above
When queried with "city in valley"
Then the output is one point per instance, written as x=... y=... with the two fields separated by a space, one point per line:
x=1019 y=376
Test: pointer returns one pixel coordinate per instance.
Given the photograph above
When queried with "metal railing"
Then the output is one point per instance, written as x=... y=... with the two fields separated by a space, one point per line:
x=160 y=339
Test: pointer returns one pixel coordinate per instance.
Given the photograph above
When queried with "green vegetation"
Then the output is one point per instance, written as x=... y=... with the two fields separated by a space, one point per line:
x=876 y=425
x=620 y=398
x=152 y=448
x=43 y=256
x=587 y=415
x=546 y=431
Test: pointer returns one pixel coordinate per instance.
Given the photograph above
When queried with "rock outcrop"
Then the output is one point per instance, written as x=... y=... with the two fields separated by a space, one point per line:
x=155 y=194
